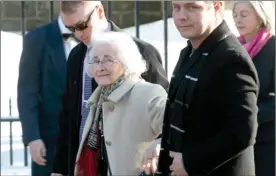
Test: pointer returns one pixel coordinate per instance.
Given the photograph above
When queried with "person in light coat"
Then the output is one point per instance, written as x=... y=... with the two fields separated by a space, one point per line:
x=126 y=112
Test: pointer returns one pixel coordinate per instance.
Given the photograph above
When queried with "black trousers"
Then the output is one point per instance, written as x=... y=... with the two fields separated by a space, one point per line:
x=264 y=154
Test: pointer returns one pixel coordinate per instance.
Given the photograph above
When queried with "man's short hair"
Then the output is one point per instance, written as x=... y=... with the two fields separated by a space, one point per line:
x=70 y=6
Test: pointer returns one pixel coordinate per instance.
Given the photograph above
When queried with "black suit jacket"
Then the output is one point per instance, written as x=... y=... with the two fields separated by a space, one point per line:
x=221 y=121
x=68 y=141
x=42 y=77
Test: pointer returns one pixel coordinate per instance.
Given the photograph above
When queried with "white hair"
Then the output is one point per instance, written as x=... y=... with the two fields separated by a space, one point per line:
x=265 y=12
x=127 y=51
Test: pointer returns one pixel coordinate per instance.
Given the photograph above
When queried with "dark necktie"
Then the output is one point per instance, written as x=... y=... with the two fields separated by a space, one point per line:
x=87 y=91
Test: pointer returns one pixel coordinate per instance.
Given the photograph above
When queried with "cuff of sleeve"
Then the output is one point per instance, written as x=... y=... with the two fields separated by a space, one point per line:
x=29 y=138
x=160 y=136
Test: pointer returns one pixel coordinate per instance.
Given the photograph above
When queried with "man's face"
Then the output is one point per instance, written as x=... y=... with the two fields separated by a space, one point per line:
x=192 y=18
x=82 y=22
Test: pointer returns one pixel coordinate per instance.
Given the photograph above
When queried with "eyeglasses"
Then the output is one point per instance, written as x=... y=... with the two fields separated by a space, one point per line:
x=105 y=62
x=81 y=26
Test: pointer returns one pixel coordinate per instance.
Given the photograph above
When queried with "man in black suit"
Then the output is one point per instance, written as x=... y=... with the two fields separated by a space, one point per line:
x=86 y=19
x=42 y=78
x=210 y=120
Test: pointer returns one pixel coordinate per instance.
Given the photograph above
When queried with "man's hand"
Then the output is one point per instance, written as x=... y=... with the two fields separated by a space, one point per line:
x=56 y=174
x=177 y=166
x=38 y=152
x=150 y=158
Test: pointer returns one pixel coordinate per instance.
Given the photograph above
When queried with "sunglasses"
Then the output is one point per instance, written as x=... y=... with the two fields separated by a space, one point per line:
x=81 y=26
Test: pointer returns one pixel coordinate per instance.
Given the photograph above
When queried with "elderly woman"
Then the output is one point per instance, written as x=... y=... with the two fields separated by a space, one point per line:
x=126 y=113
x=254 y=23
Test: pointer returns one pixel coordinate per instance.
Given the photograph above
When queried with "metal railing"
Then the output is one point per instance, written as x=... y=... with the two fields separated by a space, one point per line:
x=109 y=15
x=11 y=119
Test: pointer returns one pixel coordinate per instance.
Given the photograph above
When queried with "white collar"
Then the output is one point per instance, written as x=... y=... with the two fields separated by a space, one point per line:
x=108 y=27
x=62 y=27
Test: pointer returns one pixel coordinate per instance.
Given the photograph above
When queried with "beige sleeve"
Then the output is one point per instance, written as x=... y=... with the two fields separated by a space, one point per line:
x=156 y=108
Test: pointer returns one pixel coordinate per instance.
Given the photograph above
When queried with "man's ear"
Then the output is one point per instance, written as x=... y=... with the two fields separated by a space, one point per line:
x=219 y=8
x=218 y=5
x=100 y=12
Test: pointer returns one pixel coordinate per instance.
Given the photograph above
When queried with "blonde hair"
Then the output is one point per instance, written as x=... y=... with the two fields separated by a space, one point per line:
x=264 y=11
x=69 y=7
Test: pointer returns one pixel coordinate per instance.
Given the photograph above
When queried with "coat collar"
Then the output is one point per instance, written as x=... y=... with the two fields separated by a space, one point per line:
x=63 y=29
x=56 y=49
x=117 y=94
x=114 y=27
x=207 y=46
x=220 y=33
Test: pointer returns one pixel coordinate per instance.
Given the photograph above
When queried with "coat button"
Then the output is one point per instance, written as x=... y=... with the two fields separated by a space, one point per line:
x=108 y=143
x=111 y=107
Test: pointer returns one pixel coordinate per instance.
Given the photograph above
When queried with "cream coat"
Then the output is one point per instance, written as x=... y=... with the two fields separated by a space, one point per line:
x=133 y=118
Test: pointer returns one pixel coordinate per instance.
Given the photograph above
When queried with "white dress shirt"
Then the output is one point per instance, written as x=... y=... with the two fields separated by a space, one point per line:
x=70 y=43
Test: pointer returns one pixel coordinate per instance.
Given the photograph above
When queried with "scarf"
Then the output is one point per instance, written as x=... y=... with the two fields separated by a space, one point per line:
x=90 y=154
x=254 y=46
x=97 y=124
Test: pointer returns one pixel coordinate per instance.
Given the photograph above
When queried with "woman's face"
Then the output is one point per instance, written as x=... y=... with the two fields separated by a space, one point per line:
x=104 y=65
x=246 y=19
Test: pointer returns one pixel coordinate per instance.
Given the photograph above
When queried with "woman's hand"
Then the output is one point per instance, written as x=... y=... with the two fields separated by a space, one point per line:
x=150 y=158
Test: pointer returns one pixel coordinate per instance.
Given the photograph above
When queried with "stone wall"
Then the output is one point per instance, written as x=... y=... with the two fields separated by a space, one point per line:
x=37 y=13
